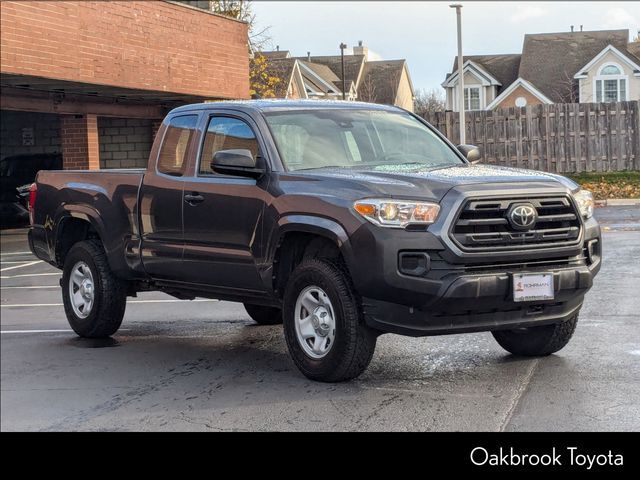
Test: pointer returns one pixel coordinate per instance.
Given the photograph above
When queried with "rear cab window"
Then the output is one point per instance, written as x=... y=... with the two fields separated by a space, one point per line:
x=172 y=157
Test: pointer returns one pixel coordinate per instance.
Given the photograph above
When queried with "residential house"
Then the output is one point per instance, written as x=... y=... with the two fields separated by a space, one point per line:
x=571 y=67
x=320 y=77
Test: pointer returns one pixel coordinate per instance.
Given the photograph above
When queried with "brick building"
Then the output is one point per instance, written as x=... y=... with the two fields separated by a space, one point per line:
x=93 y=79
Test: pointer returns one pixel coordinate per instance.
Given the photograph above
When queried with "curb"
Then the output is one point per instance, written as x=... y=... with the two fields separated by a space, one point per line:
x=618 y=202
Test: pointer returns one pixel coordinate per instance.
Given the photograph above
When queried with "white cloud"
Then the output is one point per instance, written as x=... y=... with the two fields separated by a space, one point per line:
x=619 y=17
x=527 y=13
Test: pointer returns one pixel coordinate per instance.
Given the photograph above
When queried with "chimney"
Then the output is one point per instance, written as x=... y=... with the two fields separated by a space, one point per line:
x=571 y=28
x=308 y=56
x=277 y=48
x=580 y=27
x=361 y=50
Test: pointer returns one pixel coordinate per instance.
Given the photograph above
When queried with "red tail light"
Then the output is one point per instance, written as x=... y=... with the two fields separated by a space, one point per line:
x=33 y=193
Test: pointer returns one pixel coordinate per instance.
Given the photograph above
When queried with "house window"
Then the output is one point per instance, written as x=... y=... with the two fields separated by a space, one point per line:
x=611 y=84
x=472 y=98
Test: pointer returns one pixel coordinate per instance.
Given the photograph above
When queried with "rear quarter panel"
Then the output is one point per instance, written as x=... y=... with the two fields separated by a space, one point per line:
x=108 y=200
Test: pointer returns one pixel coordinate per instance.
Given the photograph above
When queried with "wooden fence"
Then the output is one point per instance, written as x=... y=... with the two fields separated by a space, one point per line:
x=561 y=138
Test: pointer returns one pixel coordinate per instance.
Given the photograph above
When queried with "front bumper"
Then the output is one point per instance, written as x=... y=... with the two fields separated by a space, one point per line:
x=460 y=293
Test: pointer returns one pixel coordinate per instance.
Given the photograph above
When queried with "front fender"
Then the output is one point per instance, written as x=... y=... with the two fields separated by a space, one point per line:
x=316 y=225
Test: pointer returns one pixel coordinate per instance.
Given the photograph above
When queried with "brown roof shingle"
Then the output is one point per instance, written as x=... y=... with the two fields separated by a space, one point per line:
x=380 y=81
x=281 y=68
x=549 y=59
x=352 y=66
x=503 y=68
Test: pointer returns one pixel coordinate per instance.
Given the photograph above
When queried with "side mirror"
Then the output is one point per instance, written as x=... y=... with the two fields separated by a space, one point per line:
x=471 y=153
x=238 y=162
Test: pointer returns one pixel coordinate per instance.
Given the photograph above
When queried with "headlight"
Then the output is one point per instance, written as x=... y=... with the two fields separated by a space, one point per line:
x=585 y=202
x=397 y=213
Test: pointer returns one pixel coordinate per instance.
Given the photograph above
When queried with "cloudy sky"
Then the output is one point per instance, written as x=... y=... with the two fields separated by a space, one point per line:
x=425 y=32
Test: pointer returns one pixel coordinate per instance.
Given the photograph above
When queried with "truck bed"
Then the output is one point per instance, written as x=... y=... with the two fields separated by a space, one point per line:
x=106 y=198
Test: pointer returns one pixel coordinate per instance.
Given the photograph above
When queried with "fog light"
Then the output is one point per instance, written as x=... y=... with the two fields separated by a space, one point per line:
x=414 y=264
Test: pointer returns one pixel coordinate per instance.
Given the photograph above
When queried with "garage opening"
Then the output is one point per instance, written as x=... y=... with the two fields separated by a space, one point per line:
x=29 y=142
x=29 y=133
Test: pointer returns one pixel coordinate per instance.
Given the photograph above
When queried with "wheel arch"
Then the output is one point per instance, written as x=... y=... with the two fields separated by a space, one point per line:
x=75 y=224
x=305 y=236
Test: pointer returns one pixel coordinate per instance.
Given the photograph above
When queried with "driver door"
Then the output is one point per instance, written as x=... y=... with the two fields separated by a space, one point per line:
x=223 y=213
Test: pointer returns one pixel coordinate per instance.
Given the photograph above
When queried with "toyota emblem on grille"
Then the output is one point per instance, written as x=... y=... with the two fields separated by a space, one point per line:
x=523 y=216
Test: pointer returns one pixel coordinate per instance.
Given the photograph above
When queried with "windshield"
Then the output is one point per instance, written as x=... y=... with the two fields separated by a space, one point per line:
x=325 y=138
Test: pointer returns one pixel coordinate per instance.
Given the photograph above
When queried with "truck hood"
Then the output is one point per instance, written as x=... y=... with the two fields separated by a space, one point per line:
x=401 y=180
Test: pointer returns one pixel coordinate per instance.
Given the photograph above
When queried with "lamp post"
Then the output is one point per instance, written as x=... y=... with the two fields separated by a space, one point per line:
x=344 y=80
x=458 y=8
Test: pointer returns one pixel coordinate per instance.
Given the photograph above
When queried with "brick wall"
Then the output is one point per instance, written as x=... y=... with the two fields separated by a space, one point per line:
x=79 y=135
x=46 y=133
x=151 y=45
x=124 y=142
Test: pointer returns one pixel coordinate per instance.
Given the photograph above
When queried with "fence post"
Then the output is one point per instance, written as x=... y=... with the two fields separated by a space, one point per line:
x=634 y=123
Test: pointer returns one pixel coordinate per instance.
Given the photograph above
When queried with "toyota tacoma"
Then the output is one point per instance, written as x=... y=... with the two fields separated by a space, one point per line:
x=342 y=220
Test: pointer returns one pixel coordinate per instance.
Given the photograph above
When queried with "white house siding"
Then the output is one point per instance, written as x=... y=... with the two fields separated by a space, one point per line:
x=488 y=93
x=587 y=85
x=404 y=96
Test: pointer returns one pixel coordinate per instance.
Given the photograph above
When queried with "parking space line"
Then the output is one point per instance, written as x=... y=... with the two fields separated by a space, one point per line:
x=31 y=286
x=5 y=277
x=49 y=331
x=20 y=266
x=34 y=331
x=22 y=305
x=16 y=253
x=14 y=262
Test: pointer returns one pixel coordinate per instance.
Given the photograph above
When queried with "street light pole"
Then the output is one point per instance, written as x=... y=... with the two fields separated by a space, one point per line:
x=458 y=8
x=344 y=80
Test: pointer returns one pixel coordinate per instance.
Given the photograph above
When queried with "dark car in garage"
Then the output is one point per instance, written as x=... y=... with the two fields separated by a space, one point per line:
x=17 y=172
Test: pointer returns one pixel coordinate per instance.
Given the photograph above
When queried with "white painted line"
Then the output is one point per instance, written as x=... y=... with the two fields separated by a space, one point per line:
x=49 y=331
x=17 y=253
x=33 y=286
x=22 y=305
x=34 y=331
x=5 y=262
x=30 y=275
x=20 y=266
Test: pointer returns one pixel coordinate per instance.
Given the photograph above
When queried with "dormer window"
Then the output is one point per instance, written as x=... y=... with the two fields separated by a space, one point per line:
x=611 y=84
x=472 y=98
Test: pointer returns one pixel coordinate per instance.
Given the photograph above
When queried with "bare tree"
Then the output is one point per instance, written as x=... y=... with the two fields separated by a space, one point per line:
x=429 y=101
x=367 y=90
x=259 y=38
x=567 y=89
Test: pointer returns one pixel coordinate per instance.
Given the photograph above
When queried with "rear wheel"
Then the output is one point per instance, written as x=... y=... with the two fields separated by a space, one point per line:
x=264 y=315
x=94 y=299
x=323 y=323
x=537 y=341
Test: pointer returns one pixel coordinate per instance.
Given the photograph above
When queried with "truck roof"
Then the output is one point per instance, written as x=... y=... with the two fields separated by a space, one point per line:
x=281 y=105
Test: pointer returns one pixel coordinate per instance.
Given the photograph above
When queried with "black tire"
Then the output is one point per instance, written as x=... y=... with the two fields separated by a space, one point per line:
x=354 y=342
x=110 y=297
x=537 y=341
x=264 y=315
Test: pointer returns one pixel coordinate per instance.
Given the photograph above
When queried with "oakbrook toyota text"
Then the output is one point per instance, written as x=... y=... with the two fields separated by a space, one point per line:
x=572 y=457
x=342 y=220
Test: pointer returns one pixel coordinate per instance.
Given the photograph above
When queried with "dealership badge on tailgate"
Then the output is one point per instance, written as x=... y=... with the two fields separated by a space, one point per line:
x=530 y=287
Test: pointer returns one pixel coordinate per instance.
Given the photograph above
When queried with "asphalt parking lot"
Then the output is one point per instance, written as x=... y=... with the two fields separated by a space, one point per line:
x=203 y=365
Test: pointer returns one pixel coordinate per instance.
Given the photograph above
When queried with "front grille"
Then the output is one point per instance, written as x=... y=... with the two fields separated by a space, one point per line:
x=482 y=225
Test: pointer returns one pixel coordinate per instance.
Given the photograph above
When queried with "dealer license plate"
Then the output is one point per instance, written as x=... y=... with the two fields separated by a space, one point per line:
x=529 y=287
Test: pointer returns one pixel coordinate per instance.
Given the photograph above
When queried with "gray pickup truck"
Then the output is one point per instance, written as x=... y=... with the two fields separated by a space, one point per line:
x=341 y=220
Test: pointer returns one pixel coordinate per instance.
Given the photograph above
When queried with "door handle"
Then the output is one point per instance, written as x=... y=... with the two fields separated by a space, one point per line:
x=193 y=198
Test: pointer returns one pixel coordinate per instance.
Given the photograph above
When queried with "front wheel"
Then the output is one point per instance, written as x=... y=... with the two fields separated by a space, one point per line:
x=323 y=323
x=537 y=341
x=94 y=299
